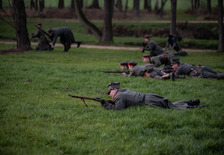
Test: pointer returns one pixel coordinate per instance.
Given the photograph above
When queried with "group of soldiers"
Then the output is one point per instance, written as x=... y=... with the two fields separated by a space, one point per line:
x=66 y=38
x=124 y=98
x=173 y=68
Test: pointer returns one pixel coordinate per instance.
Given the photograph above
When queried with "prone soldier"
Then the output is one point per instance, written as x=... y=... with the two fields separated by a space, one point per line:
x=124 y=98
x=146 y=71
x=207 y=72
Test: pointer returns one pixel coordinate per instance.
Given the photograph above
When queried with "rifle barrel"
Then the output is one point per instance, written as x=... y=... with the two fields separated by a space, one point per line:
x=91 y=98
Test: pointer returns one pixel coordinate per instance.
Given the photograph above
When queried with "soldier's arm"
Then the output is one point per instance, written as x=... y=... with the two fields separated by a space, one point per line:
x=119 y=105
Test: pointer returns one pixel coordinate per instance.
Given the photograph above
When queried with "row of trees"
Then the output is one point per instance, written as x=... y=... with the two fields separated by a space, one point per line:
x=39 y=5
x=19 y=17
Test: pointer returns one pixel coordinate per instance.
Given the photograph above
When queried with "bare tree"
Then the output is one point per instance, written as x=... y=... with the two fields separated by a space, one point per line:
x=61 y=4
x=107 y=30
x=209 y=7
x=19 y=17
x=136 y=7
x=0 y=4
x=195 y=4
x=36 y=5
x=95 y=4
x=119 y=5
x=156 y=5
x=147 y=5
x=221 y=29
x=72 y=5
x=160 y=11
x=173 y=16
x=41 y=5
x=84 y=21
x=32 y=4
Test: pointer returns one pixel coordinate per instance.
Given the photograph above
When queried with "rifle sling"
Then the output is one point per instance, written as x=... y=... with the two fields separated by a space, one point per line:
x=84 y=102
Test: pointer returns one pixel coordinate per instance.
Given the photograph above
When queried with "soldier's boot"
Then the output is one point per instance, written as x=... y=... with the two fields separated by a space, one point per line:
x=78 y=43
x=220 y=76
x=193 y=102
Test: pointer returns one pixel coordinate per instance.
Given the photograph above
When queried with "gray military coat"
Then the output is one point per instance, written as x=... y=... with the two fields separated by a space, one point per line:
x=162 y=59
x=154 y=48
x=125 y=98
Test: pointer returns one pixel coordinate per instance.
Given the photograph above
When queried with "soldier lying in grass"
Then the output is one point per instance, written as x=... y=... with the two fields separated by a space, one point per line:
x=124 y=98
x=182 y=69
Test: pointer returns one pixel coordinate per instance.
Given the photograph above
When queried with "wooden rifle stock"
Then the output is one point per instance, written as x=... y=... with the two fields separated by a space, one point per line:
x=127 y=72
x=91 y=98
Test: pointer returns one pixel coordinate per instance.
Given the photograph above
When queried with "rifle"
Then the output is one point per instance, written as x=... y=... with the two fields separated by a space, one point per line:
x=127 y=72
x=143 y=49
x=91 y=98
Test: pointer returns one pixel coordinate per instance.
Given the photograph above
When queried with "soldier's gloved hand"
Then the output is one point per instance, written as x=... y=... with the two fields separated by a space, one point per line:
x=103 y=102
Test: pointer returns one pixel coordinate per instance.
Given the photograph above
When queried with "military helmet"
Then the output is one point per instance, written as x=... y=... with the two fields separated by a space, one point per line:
x=133 y=63
x=124 y=63
x=146 y=36
x=175 y=61
x=113 y=85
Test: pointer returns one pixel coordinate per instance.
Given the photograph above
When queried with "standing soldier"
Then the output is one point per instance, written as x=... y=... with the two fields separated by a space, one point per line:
x=172 y=40
x=66 y=37
x=124 y=98
x=152 y=46
x=43 y=43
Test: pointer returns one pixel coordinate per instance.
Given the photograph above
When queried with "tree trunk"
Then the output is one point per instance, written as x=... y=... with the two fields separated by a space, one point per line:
x=41 y=5
x=160 y=11
x=173 y=17
x=72 y=5
x=36 y=5
x=136 y=7
x=221 y=29
x=19 y=17
x=119 y=5
x=209 y=7
x=107 y=30
x=61 y=4
x=84 y=21
x=32 y=4
x=149 y=9
x=95 y=4
x=156 y=5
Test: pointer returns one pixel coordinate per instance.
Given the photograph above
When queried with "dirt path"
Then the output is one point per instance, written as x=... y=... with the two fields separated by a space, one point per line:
x=110 y=47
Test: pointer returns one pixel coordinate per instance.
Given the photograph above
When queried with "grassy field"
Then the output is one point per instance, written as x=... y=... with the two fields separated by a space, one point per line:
x=37 y=116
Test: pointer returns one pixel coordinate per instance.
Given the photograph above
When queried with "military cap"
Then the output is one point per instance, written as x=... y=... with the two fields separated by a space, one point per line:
x=146 y=56
x=113 y=85
x=146 y=36
x=133 y=63
x=124 y=63
x=175 y=61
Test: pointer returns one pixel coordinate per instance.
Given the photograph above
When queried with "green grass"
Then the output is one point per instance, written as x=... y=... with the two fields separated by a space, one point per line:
x=37 y=116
